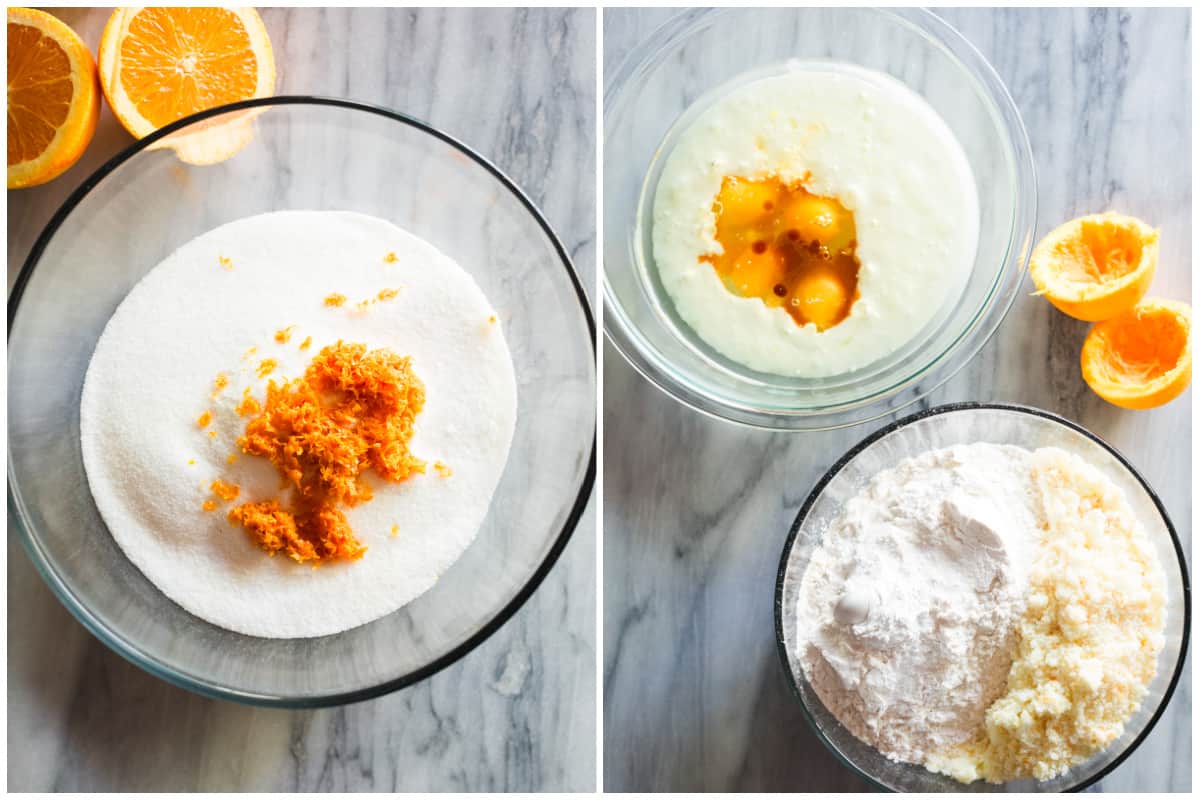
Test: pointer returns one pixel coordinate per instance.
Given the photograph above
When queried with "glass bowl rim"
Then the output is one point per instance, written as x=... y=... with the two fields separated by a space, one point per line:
x=132 y=652
x=947 y=408
x=967 y=343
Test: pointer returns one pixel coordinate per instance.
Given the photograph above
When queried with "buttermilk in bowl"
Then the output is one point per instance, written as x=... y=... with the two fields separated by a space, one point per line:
x=814 y=222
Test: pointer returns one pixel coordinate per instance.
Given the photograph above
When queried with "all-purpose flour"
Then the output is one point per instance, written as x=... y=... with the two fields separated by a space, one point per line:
x=213 y=307
x=909 y=608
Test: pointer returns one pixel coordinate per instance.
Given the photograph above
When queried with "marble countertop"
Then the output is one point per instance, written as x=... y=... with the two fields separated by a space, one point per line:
x=696 y=511
x=518 y=713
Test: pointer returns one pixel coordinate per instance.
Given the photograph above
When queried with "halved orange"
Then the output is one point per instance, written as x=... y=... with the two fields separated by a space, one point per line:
x=53 y=97
x=158 y=65
x=1094 y=267
x=1141 y=358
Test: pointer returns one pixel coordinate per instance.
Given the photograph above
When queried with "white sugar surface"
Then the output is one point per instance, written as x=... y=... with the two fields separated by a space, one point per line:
x=193 y=317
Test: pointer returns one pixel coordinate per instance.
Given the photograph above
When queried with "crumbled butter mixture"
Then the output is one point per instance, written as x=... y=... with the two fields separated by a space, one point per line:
x=1089 y=638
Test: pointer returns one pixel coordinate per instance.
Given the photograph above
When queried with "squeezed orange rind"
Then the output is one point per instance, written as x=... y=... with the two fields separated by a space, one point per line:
x=1097 y=266
x=1141 y=358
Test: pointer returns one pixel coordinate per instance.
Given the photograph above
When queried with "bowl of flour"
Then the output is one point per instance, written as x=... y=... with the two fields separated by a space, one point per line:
x=348 y=253
x=982 y=598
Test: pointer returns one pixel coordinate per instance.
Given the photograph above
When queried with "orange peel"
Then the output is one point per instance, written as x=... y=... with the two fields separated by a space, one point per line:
x=1095 y=267
x=1141 y=358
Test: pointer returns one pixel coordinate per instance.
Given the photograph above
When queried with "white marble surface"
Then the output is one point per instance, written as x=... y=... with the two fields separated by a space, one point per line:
x=696 y=511
x=518 y=713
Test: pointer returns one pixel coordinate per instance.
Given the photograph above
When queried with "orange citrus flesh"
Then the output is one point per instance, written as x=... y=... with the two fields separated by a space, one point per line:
x=788 y=247
x=1141 y=358
x=352 y=411
x=1094 y=267
x=53 y=97
x=158 y=65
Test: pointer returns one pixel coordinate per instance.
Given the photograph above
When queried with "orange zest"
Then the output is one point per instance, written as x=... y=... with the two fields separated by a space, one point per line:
x=284 y=335
x=1141 y=358
x=225 y=491
x=352 y=411
x=204 y=419
x=335 y=300
x=788 y=247
x=53 y=97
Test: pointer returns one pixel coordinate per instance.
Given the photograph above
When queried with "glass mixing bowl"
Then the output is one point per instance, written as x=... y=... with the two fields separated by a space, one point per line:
x=307 y=153
x=964 y=423
x=689 y=62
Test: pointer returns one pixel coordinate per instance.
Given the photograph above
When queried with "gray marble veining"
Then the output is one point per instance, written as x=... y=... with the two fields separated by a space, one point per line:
x=696 y=511
x=518 y=713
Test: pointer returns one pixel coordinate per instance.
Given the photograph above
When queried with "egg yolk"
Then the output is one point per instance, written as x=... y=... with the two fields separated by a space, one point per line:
x=788 y=247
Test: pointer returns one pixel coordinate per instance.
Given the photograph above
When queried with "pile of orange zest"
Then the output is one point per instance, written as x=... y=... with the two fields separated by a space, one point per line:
x=284 y=335
x=204 y=419
x=788 y=247
x=266 y=367
x=225 y=491
x=390 y=258
x=219 y=384
x=307 y=343
x=226 y=262
x=335 y=300
x=442 y=469
x=352 y=410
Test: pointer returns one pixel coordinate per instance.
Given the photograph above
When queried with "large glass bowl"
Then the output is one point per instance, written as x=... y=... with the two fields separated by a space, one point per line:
x=689 y=62
x=306 y=154
x=964 y=423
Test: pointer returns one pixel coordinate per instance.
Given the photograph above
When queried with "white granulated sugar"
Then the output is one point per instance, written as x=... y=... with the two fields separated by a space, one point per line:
x=196 y=315
x=910 y=606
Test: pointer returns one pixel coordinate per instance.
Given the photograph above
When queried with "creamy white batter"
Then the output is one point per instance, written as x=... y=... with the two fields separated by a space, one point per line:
x=865 y=139
x=196 y=315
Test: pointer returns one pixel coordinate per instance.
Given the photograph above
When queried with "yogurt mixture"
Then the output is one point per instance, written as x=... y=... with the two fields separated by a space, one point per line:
x=845 y=134
x=986 y=611
x=253 y=301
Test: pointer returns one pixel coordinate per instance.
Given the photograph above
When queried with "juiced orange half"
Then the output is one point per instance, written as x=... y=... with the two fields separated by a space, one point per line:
x=1141 y=358
x=1094 y=267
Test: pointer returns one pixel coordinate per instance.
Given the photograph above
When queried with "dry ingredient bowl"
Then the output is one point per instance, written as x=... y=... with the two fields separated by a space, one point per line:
x=964 y=423
x=307 y=153
x=690 y=61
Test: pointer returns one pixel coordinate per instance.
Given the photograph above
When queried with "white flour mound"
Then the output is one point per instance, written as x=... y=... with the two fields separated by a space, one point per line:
x=910 y=606
x=196 y=315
